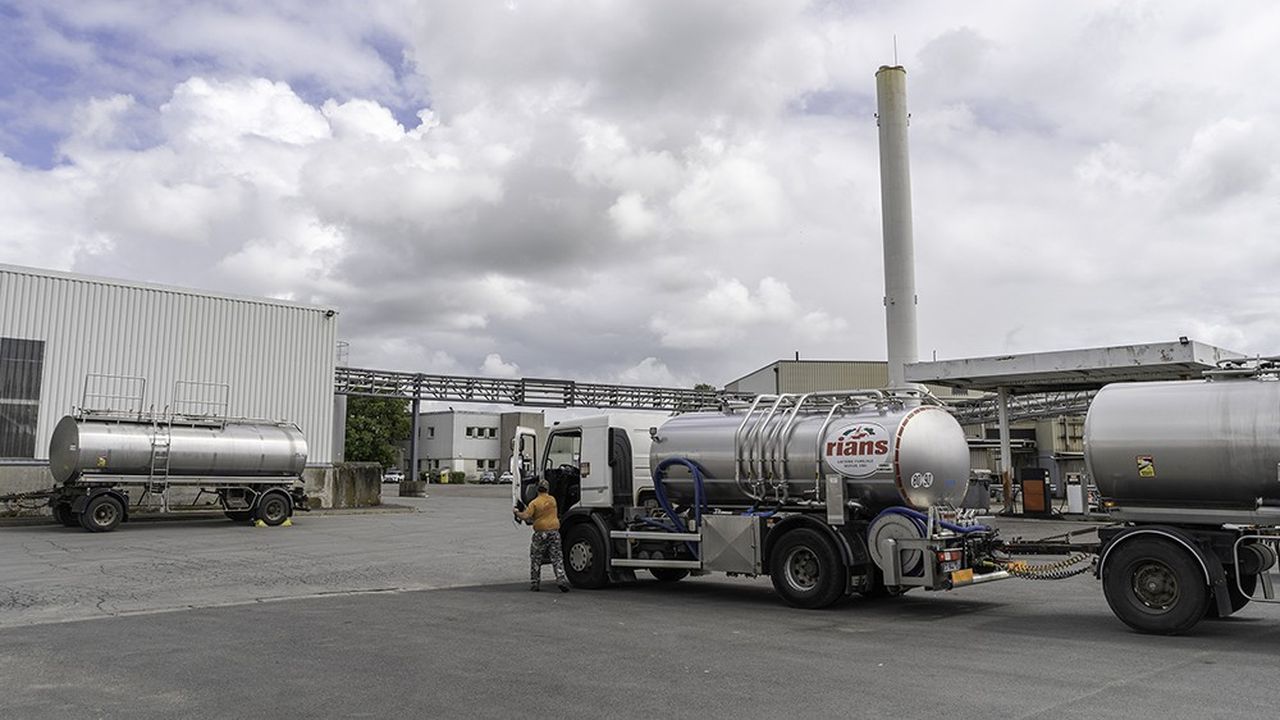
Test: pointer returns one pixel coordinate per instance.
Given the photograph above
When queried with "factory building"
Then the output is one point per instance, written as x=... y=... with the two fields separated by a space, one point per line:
x=67 y=341
x=801 y=376
x=473 y=442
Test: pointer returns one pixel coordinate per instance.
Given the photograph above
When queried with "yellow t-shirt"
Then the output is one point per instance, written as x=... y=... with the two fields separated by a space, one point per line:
x=542 y=510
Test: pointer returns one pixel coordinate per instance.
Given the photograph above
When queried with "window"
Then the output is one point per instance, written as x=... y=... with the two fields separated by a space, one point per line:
x=493 y=432
x=431 y=431
x=471 y=432
x=564 y=449
x=21 y=362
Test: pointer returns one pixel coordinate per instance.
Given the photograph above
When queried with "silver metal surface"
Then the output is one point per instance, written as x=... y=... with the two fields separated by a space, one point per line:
x=731 y=543
x=277 y=356
x=1198 y=444
x=924 y=459
x=89 y=447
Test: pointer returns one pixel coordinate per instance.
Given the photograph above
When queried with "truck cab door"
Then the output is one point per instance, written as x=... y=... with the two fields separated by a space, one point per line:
x=524 y=475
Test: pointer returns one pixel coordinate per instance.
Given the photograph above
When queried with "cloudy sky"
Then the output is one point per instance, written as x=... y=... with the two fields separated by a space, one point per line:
x=659 y=192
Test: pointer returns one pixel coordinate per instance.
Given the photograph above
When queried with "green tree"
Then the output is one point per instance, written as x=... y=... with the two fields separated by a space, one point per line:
x=706 y=387
x=374 y=427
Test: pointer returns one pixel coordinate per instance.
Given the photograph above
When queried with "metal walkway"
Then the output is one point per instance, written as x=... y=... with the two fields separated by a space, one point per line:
x=546 y=393
x=525 y=392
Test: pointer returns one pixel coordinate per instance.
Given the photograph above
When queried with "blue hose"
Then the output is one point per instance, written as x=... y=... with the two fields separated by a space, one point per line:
x=922 y=517
x=699 y=501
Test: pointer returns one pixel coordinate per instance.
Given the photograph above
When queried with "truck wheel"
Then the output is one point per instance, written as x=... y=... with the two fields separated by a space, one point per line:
x=584 y=557
x=1238 y=599
x=1154 y=586
x=668 y=575
x=102 y=514
x=62 y=513
x=273 y=508
x=806 y=569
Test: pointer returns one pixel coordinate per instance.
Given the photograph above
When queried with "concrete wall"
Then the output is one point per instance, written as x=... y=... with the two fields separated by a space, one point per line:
x=344 y=485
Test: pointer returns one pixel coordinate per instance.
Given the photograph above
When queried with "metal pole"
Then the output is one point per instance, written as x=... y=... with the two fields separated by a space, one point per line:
x=1006 y=452
x=413 y=438
x=895 y=209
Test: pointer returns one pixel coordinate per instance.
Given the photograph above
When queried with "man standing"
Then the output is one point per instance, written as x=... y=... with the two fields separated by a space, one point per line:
x=546 y=537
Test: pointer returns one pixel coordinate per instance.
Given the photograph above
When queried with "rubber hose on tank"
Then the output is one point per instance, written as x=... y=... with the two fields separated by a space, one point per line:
x=917 y=515
x=660 y=493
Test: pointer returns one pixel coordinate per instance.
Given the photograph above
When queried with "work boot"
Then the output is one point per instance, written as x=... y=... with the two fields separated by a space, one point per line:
x=564 y=587
x=533 y=587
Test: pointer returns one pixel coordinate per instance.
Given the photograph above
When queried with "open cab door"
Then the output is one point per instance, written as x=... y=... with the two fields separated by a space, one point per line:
x=524 y=474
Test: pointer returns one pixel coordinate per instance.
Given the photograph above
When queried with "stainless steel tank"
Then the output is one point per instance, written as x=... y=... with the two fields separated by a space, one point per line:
x=895 y=454
x=83 y=446
x=1203 y=443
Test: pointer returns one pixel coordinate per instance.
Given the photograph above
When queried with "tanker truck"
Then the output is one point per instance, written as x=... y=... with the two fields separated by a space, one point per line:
x=826 y=493
x=831 y=494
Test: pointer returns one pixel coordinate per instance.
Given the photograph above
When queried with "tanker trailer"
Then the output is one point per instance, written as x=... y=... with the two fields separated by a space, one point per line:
x=1191 y=471
x=101 y=460
x=827 y=493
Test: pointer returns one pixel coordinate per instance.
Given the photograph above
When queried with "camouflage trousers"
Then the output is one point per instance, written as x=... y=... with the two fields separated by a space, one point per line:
x=544 y=547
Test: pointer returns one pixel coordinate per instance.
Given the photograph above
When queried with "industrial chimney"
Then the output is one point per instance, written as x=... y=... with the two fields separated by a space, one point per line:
x=895 y=209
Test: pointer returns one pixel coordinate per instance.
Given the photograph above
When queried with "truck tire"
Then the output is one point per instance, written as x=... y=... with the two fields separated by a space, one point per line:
x=62 y=514
x=1155 y=586
x=274 y=507
x=1238 y=599
x=585 y=557
x=101 y=514
x=668 y=575
x=806 y=569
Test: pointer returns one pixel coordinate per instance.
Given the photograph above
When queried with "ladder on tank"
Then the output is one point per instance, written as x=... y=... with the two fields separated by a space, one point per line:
x=158 y=476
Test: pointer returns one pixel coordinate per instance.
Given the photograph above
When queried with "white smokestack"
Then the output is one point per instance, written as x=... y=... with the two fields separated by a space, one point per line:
x=895 y=209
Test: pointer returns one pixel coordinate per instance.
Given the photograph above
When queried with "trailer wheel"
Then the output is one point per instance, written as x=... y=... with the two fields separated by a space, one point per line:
x=273 y=508
x=101 y=514
x=585 y=557
x=806 y=569
x=1154 y=586
x=668 y=575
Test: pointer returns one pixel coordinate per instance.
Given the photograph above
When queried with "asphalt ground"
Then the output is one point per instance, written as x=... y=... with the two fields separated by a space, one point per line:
x=426 y=614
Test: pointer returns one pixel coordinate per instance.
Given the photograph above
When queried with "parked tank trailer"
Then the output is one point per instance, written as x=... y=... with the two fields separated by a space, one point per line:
x=108 y=463
x=100 y=459
x=837 y=493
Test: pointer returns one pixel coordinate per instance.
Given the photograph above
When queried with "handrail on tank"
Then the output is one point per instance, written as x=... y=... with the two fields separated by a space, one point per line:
x=782 y=437
x=754 y=438
x=737 y=445
x=1259 y=366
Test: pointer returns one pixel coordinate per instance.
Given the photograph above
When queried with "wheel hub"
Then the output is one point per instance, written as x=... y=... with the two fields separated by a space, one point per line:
x=1155 y=586
x=105 y=513
x=580 y=556
x=801 y=568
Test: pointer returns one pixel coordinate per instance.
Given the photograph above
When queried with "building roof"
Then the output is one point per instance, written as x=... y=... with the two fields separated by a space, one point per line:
x=793 y=361
x=117 y=282
x=1087 y=369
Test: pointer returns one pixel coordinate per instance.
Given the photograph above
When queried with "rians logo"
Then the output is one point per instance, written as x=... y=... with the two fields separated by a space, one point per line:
x=857 y=450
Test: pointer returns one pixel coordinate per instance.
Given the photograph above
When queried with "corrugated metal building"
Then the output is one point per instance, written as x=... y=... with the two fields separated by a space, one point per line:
x=275 y=358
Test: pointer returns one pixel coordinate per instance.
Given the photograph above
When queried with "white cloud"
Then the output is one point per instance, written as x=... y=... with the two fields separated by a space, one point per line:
x=662 y=193
x=494 y=366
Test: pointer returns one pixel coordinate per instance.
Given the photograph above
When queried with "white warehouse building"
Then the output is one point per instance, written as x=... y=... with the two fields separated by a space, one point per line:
x=64 y=335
